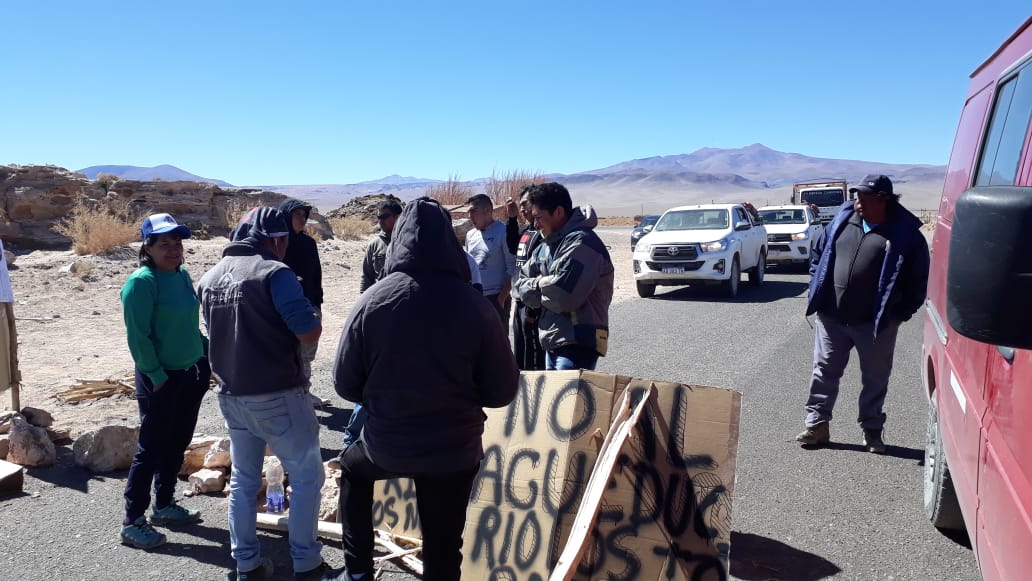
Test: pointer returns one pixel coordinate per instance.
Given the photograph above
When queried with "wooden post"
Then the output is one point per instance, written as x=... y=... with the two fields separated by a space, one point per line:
x=15 y=397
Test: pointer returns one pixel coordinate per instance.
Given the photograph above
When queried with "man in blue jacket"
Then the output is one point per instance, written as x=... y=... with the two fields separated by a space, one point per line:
x=423 y=352
x=868 y=274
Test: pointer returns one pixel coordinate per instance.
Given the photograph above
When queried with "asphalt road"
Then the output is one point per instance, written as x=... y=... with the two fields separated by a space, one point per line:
x=837 y=512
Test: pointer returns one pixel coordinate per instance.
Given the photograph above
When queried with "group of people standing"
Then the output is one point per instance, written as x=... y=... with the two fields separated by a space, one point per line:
x=421 y=354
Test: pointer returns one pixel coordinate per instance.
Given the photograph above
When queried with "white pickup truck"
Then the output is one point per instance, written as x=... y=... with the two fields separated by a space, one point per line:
x=711 y=243
x=791 y=232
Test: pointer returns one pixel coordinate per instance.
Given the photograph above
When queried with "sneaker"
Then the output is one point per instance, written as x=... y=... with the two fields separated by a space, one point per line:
x=173 y=514
x=316 y=401
x=315 y=574
x=263 y=571
x=142 y=535
x=873 y=441
x=815 y=435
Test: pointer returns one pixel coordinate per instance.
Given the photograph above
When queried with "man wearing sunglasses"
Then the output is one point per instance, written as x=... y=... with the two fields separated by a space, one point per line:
x=372 y=265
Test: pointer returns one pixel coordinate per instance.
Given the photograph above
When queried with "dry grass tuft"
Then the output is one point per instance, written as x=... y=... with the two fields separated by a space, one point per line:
x=348 y=228
x=508 y=186
x=235 y=210
x=450 y=193
x=96 y=227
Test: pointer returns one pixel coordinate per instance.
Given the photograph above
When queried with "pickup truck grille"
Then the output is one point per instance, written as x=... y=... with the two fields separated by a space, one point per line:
x=659 y=266
x=779 y=237
x=674 y=252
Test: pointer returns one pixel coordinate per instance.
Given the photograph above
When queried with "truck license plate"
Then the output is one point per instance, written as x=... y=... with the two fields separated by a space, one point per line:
x=673 y=270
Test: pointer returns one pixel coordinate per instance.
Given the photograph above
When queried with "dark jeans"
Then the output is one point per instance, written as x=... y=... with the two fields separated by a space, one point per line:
x=571 y=357
x=441 y=499
x=503 y=310
x=167 y=421
x=526 y=345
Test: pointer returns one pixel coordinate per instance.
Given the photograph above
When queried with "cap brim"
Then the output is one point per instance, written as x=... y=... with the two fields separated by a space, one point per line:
x=183 y=231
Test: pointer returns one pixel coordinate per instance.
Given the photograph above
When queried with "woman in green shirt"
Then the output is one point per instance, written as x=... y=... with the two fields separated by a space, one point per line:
x=160 y=309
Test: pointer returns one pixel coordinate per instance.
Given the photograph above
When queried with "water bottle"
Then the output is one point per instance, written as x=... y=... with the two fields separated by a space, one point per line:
x=274 y=490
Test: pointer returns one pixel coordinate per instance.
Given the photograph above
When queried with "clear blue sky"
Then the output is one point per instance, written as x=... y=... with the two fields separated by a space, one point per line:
x=306 y=92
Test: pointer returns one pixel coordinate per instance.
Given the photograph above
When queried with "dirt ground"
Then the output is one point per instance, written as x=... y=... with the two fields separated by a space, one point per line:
x=70 y=323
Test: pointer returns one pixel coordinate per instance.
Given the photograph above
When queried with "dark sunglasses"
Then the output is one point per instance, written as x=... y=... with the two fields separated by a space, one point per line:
x=383 y=216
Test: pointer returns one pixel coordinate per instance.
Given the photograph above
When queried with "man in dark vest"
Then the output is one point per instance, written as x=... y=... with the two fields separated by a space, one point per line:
x=258 y=318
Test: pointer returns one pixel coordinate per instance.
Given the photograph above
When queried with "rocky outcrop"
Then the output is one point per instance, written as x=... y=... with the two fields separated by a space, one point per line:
x=33 y=199
x=363 y=207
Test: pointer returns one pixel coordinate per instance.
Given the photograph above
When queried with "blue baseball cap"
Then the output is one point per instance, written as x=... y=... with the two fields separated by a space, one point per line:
x=163 y=224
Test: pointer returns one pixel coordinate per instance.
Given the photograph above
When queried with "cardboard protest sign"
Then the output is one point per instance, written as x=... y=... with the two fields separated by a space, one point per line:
x=666 y=512
x=666 y=509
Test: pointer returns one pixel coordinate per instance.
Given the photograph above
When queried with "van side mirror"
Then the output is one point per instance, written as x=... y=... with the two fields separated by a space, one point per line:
x=989 y=275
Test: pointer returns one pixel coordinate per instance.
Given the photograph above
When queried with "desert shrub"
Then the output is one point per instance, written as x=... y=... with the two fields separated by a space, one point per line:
x=508 y=186
x=235 y=209
x=106 y=181
x=99 y=226
x=450 y=193
x=350 y=228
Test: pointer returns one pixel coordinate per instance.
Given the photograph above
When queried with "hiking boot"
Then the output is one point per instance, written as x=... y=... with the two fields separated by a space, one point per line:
x=263 y=571
x=315 y=574
x=173 y=514
x=873 y=441
x=142 y=535
x=815 y=435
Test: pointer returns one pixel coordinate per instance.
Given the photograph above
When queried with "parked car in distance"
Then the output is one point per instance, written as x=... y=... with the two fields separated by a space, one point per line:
x=791 y=232
x=976 y=364
x=712 y=243
x=644 y=227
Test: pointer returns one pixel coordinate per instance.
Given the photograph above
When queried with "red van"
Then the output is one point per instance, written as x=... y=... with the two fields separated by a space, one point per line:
x=977 y=351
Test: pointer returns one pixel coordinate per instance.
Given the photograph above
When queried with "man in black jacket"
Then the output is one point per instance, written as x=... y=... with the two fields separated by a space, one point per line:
x=868 y=275
x=303 y=258
x=423 y=352
x=526 y=345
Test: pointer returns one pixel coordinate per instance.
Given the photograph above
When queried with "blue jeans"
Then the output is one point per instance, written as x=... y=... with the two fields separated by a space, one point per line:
x=286 y=421
x=831 y=346
x=571 y=357
x=354 y=427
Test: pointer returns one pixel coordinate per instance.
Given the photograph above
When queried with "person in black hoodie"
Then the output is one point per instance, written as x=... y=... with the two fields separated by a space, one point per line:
x=423 y=352
x=303 y=258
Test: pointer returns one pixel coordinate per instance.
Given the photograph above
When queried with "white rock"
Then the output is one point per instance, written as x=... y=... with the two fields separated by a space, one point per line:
x=207 y=480
x=218 y=455
x=5 y=420
x=193 y=457
x=29 y=445
x=107 y=449
x=330 y=493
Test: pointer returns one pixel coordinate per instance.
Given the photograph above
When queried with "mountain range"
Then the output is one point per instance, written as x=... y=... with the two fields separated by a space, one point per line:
x=754 y=173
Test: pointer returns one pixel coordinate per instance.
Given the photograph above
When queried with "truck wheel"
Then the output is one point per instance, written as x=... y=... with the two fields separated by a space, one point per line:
x=940 y=499
x=645 y=290
x=731 y=284
x=756 y=275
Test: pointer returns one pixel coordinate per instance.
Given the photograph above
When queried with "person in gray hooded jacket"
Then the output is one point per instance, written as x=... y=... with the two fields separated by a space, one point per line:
x=423 y=352
x=570 y=278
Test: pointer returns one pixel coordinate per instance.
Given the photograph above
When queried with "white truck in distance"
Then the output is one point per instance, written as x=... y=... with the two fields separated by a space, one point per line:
x=712 y=243
x=827 y=195
x=791 y=232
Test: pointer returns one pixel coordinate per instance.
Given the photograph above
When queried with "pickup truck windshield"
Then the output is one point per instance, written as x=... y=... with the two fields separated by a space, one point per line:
x=783 y=216
x=823 y=198
x=693 y=220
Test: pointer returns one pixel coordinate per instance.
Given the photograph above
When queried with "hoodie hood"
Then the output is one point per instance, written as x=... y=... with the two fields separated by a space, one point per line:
x=582 y=218
x=254 y=227
x=423 y=241
x=290 y=204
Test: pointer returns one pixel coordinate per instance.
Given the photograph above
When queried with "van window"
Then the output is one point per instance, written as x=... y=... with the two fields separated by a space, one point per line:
x=1008 y=125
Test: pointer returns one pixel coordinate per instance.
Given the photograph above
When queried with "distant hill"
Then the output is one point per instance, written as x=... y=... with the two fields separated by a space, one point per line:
x=168 y=173
x=754 y=173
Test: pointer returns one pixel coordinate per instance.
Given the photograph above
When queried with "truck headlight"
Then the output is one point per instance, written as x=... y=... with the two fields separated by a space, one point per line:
x=800 y=236
x=717 y=246
x=639 y=247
